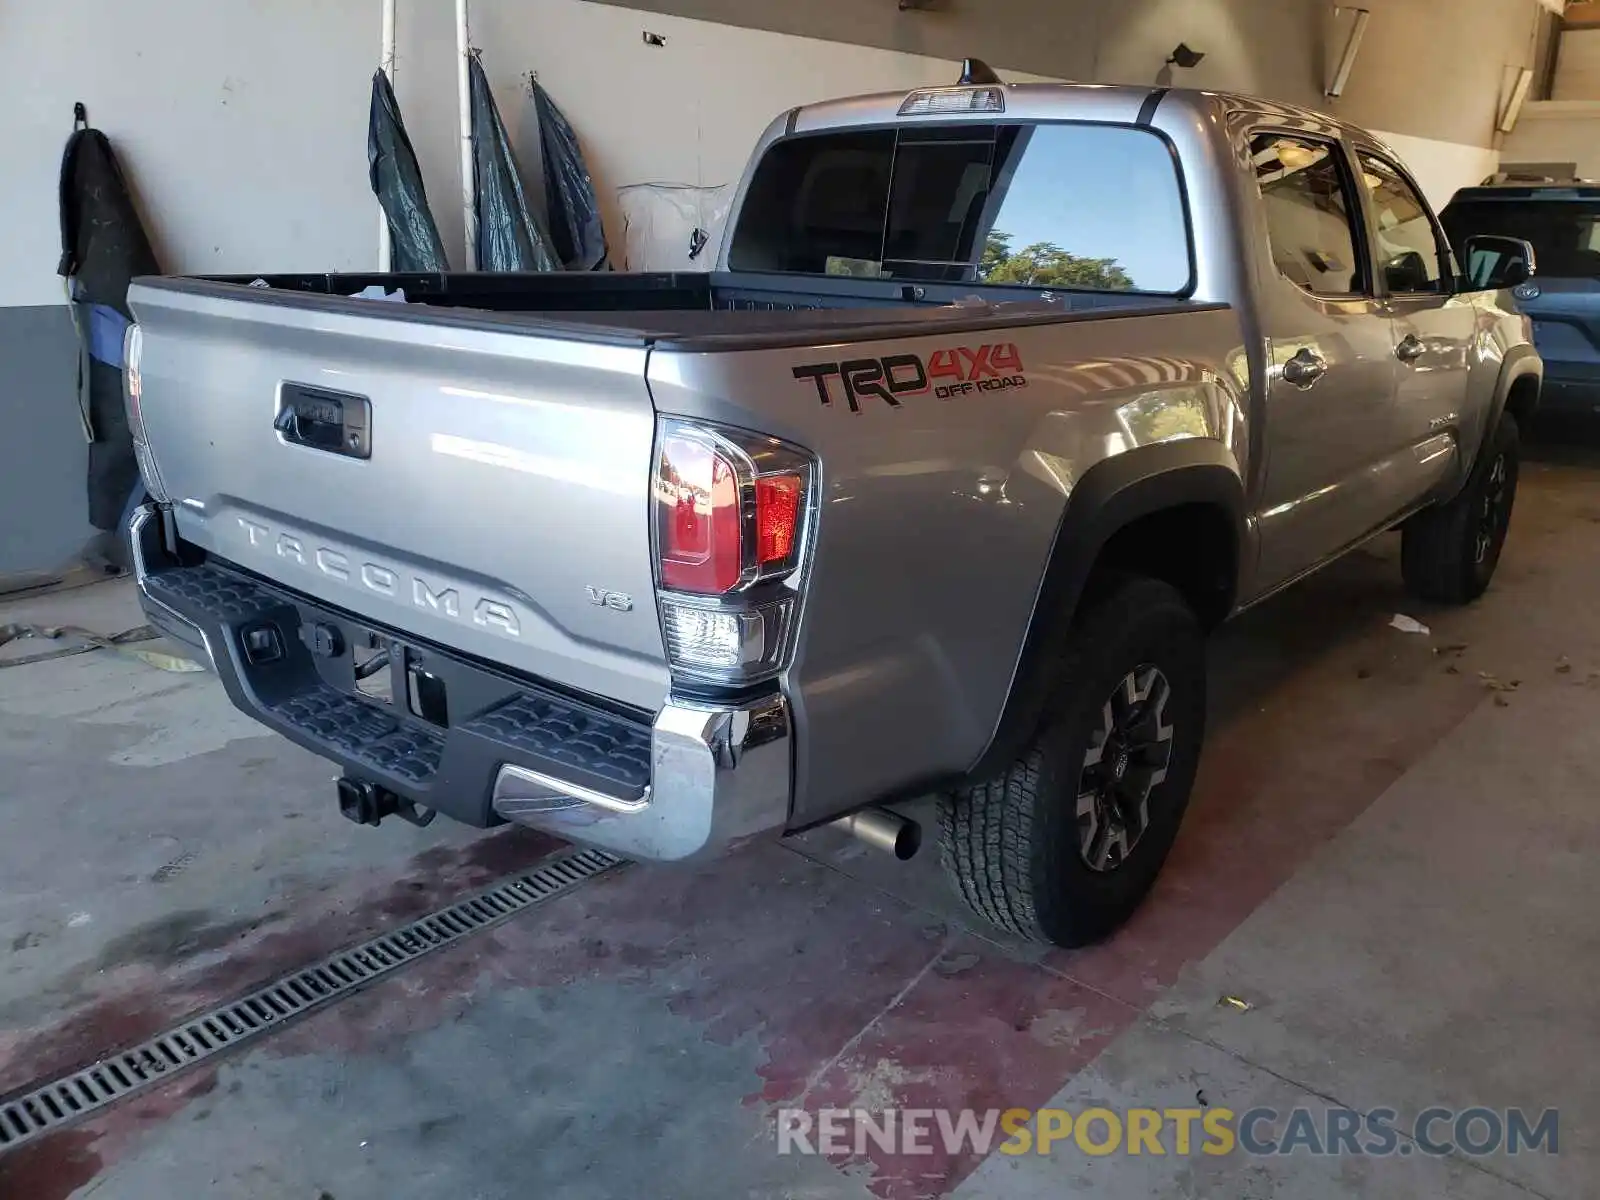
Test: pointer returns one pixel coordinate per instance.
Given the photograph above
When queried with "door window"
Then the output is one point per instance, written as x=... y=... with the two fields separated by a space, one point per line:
x=1309 y=210
x=1408 y=246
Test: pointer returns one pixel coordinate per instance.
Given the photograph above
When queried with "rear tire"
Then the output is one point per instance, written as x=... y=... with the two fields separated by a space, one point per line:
x=1448 y=553
x=1037 y=850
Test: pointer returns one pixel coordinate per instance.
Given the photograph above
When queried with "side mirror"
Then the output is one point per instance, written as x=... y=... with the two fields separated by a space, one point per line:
x=1407 y=272
x=1495 y=262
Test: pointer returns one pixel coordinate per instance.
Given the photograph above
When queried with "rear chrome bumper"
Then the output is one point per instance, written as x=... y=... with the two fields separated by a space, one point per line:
x=716 y=775
x=684 y=785
x=144 y=532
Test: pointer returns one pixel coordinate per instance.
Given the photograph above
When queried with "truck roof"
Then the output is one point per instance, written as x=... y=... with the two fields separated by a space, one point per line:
x=1121 y=103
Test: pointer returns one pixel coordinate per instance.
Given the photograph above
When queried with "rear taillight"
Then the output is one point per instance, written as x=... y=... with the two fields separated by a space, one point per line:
x=133 y=403
x=732 y=511
x=778 y=517
x=698 y=517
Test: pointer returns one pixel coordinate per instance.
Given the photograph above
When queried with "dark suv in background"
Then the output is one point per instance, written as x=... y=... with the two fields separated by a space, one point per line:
x=1562 y=221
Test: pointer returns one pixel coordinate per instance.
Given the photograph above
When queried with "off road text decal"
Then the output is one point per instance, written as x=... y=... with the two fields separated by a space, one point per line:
x=962 y=371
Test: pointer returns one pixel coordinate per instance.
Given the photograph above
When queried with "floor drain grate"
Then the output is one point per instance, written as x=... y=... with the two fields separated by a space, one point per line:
x=65 y=1100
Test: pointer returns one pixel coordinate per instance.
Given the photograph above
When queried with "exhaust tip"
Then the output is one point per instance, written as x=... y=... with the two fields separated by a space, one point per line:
x=884 y=830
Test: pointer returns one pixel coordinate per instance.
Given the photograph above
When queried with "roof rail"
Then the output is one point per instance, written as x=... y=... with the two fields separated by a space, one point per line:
x=1500 y=178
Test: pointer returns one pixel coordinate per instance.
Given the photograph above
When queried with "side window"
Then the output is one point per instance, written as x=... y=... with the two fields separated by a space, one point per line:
x=1408 y=248
x=1084 y=206
x=1309 y=214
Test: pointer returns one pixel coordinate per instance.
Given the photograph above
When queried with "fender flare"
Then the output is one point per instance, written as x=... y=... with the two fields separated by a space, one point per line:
x=1111 y=495
x=1521 y=361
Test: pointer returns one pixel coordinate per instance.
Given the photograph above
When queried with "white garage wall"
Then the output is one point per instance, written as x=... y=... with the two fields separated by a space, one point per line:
x=1442 y=168
x=1578 y=66
x=243 y=126
x=1558 y=131
x=684 y=114
x=243 y=123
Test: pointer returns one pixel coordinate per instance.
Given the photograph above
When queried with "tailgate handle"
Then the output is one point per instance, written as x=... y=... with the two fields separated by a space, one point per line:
x=335 y=422
x=291 y=426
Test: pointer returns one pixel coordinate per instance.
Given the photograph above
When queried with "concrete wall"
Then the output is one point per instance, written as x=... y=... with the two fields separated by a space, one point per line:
x=1427 y=69
x=1566 y=128
x=243 y=124
x=1441 y=168
x=1558 y=131
x=43 y=456
x=1578 y=66
x=1440 y=70
x=242 y=127
x=664 y=129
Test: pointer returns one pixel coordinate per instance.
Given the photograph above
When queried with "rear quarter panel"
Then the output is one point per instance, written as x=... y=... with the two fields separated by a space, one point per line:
x=938 y=516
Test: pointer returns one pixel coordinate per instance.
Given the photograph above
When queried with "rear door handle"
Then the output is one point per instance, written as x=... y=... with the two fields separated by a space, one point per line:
x=1304 y=369
x=1411 y=349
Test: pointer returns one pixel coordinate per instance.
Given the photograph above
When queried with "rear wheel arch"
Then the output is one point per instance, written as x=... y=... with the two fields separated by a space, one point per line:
x=1517 y=388
x=1522 y=395
x=1174 y=511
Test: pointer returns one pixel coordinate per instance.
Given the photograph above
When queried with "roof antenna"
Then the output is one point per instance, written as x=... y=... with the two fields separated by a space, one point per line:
x=976 y=71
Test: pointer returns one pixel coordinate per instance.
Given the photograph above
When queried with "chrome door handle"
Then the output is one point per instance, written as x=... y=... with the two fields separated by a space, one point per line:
x=1304 y=369
x=1411 y=349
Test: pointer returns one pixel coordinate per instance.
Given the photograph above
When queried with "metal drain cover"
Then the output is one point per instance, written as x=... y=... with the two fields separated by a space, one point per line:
x=72 y=1097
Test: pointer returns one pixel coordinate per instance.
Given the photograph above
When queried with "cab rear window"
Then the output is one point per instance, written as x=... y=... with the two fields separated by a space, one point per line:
x=1042 y=206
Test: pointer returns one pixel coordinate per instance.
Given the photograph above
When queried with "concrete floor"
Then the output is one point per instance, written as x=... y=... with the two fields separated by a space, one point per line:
x=1385 y=861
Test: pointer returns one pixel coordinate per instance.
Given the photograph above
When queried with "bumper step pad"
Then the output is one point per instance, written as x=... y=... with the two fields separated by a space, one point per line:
x=613 y=750
x=364 y=732
x=501 y=720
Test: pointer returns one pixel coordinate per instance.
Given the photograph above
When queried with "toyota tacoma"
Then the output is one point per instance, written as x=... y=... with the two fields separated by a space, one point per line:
x=998 y=399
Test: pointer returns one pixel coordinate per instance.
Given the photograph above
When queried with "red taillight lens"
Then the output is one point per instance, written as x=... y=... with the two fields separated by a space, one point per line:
x=777 y=517
x=699 y=526
x=732 y=518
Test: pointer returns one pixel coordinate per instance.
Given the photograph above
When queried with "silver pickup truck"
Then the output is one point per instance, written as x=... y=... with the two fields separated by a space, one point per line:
x=998 y=399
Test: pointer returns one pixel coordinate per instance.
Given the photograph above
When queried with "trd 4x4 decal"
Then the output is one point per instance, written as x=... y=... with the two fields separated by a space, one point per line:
x=961 y=371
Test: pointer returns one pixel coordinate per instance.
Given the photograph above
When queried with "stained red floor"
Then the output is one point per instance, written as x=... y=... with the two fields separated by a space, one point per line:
x=855 y=983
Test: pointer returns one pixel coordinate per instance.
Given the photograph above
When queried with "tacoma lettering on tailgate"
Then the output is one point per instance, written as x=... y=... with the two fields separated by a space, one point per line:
x=377 y=579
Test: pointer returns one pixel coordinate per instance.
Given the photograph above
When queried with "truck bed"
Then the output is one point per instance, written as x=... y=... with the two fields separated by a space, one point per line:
x=473 y=466
x=687 y=311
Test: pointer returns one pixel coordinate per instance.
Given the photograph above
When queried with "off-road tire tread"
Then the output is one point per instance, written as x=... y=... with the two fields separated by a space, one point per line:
x=1436 y=545
x=988 y=833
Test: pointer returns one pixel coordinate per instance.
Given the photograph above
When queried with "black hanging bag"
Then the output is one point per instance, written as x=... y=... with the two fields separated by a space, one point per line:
x=103 y=247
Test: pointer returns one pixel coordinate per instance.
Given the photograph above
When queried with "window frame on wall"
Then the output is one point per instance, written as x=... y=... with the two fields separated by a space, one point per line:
x=1356 y=215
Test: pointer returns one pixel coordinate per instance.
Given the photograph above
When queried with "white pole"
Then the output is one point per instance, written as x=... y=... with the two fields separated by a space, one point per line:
x=386 y=64
x=469 y=181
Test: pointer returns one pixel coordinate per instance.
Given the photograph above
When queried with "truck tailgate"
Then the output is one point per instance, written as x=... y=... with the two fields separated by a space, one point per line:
x=502 y=487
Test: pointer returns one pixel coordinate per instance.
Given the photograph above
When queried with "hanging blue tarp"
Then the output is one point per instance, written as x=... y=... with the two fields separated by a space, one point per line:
x=397 y=182
x=574 y=208
x=509 y=238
